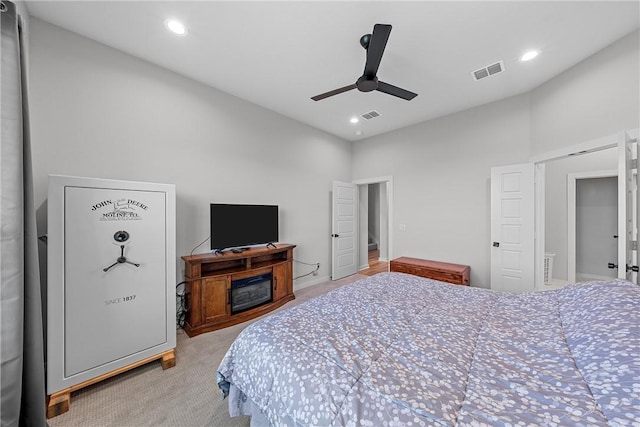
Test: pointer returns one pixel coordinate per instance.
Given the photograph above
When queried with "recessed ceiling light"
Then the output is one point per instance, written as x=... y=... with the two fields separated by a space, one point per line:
x=529 y=55
x=176 y=27
x=354 y=120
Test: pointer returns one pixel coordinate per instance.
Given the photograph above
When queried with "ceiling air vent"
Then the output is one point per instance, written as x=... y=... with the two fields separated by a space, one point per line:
x=489 y=70
x=370 y=115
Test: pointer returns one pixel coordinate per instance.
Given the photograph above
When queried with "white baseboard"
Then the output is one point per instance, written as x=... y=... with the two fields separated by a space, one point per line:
x=363 y=267
x=317 y=280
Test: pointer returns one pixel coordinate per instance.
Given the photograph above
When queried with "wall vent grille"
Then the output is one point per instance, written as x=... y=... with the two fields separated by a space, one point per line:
x=370 y=115
x=487 y=71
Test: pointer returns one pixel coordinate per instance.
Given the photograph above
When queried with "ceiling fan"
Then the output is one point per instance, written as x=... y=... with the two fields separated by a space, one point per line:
x=374 y=44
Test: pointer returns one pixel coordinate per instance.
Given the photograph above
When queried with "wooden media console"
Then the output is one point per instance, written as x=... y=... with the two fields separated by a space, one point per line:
x=209 y=278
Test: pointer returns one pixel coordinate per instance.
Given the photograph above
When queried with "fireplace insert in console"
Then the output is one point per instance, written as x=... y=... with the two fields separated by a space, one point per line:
x=250 y=292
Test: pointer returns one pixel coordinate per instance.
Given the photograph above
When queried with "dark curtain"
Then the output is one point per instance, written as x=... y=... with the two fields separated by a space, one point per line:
x=22 y=341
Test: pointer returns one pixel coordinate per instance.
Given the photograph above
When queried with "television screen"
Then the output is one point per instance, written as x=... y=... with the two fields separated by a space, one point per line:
x=243 y=225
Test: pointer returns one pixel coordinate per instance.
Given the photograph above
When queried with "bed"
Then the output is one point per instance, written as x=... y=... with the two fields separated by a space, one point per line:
x=401 y=350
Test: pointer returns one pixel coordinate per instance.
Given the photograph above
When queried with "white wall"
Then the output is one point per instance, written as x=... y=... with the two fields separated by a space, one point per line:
x=597 y=97
x=98 y=112
x=441 y=171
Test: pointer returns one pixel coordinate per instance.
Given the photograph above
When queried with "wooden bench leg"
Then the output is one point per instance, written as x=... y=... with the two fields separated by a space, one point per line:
x=168 y=359
x=58 y=403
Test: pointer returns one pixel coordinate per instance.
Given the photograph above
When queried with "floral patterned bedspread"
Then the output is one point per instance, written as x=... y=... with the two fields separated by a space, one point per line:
x=400 y=350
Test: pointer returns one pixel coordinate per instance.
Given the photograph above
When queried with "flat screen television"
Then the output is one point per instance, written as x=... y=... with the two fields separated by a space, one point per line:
x=234 y=226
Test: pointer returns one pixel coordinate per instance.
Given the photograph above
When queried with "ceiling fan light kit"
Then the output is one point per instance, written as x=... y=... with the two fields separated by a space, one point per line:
x=374 y=44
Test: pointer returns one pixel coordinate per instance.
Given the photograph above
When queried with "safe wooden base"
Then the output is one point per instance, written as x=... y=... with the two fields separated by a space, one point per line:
x=58 y=403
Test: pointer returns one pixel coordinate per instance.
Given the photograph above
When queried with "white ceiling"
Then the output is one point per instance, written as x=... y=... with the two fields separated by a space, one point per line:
x=279 y=54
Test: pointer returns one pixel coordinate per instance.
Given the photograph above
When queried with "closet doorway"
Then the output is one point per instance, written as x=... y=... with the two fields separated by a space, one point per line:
x=556 y=226
x=562 y=176
x=593 y=225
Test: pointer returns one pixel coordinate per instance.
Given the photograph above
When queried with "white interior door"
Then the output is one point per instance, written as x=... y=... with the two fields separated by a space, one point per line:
x=627 y=215
x=343 y=230
x=512 y=228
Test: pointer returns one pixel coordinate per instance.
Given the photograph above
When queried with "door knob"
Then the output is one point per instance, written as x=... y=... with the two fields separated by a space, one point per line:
x=335 y=235
x=496 y=244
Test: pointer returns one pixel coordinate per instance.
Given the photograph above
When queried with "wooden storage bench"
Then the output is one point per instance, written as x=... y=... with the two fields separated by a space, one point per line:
x=445 y=272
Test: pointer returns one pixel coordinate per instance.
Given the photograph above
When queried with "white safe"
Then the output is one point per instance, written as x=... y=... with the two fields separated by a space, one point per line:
x=111 y=277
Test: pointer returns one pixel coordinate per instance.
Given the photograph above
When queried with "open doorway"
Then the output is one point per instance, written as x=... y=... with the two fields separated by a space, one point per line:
x=374 y=240
x=563 y=240
x=596 y=223
x=553 y=233
x=592 y=201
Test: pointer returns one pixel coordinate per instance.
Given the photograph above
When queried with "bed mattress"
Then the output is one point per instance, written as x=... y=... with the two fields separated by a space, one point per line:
x=401 y=350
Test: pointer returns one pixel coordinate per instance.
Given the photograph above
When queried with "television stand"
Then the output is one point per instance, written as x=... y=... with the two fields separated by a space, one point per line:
x=208 y=287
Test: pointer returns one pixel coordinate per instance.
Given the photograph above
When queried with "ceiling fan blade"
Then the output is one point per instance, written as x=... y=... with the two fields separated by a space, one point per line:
x=376 y=47
x=395 y=91
x=333 y=92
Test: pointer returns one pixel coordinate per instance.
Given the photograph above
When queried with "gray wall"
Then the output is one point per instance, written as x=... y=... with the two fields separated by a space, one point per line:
x=98 y=112
x=441 y=168
x=597 y=97
x=441 y=171
x=101 y=113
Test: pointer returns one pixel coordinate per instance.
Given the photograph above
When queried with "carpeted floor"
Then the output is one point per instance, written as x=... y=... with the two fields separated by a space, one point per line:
x=185 y=395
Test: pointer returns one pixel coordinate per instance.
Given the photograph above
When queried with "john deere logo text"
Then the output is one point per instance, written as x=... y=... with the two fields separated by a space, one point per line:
x=120 y=210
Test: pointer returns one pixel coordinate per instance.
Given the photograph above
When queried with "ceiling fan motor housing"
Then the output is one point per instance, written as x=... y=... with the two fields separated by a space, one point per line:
x=367 y=83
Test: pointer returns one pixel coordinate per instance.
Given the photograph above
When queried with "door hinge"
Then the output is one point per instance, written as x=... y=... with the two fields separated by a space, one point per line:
x=634 y=164
x=634 y=245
